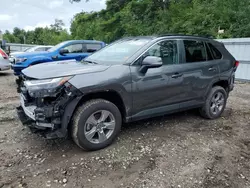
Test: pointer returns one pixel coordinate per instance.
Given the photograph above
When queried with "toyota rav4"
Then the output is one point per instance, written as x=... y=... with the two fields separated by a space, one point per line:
x=131 y=79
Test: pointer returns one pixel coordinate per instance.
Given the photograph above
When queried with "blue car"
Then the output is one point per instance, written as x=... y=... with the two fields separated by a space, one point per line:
x=74 y=49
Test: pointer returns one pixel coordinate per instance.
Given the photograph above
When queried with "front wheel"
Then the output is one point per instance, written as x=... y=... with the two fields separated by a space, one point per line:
x=215 y=103
x=96 y=124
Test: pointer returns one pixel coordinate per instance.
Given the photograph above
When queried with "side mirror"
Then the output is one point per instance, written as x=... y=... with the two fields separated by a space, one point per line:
x=150 y=62
x=63 y=51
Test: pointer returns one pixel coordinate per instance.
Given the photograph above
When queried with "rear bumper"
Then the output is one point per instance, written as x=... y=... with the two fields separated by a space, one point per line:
x=231 y=84
x=4 y=66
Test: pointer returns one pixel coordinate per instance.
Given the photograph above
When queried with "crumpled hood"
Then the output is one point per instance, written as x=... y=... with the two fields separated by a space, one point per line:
x=30 y=54
x=61 y=69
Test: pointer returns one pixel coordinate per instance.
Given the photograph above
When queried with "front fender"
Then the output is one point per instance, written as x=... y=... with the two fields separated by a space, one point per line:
x=39 y=59
x=68 y=114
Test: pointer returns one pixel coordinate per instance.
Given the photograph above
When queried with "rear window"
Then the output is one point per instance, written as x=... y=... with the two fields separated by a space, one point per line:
x=215 y=52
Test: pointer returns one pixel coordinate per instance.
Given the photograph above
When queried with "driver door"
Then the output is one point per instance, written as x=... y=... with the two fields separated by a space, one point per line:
x=159 y=90
x=75 y=51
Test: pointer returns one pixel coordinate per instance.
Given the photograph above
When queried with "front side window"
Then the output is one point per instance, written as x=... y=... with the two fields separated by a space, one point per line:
x=47 y=48
x=167 y=50
x=195 y=51
x=74 y=48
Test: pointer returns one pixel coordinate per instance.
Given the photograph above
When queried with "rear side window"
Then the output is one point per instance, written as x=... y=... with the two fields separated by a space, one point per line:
x=74 y=48
x=92 y=47
x=216 y=53
x=195 y=51
x=40 y=49
x=209 y=53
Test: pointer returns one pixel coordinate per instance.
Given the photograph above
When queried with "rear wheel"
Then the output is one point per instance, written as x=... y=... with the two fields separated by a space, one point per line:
x=96 y=124
x=215 y=103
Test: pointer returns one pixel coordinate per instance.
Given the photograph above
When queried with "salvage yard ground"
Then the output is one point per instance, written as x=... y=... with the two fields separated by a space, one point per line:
x=181 y=150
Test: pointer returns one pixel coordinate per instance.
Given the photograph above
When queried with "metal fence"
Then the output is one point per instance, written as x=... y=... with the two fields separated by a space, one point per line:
x=14 y=47
x=240 y=49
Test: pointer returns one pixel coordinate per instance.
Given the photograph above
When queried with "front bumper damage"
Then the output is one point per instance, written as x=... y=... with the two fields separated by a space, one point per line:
x=48 y=115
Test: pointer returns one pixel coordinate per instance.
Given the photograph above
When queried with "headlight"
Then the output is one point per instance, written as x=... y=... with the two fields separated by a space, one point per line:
x=20 y=60
x=50 y=85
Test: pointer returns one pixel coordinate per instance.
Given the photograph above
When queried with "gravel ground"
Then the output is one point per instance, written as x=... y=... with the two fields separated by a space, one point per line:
x=180 y=150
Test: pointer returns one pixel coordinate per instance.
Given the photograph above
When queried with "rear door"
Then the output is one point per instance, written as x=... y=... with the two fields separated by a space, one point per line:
x=199 y=70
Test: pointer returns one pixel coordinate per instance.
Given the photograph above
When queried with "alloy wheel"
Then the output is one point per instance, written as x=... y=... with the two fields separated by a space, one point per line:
x=99 y=126
x=217 y=103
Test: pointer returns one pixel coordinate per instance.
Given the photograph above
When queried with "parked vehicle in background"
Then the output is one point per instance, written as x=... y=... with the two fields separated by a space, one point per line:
x=74 y=49
x=4 y=61
x=132 y=79
x=30 y=49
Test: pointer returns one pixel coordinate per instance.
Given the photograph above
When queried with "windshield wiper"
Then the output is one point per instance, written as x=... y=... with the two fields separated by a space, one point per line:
x=92 y=62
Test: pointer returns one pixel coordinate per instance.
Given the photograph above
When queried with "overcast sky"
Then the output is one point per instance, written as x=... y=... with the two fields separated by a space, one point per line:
x=28 y=14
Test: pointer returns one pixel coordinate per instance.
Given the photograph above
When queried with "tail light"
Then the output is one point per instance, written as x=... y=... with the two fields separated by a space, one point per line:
x=237 y=63
x=5 y=56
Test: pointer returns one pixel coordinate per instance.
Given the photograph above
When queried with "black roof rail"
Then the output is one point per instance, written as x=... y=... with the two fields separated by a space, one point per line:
x=186 y=35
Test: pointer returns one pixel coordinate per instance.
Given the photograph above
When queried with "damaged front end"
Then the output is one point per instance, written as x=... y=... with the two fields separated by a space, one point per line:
x=46 y=105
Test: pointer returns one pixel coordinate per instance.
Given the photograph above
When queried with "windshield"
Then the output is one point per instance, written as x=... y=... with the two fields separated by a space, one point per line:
x=28 y=49
x=118 y=52
x=57 y=46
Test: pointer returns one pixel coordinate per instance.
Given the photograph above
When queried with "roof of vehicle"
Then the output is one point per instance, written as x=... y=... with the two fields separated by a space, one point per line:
x=90 y=41
x=170 y=35
x=44 y=46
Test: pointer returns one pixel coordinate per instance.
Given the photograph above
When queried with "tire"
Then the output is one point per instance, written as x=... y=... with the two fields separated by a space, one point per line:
x=89 y=124
x=213 y=109
x=19 y=83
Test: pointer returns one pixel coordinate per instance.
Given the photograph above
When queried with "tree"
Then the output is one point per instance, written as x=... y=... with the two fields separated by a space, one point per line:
x=149 y=17
x=41 y=36
x=58 y=25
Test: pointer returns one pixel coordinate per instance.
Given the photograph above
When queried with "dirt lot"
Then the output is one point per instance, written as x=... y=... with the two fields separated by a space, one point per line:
x=180 y=150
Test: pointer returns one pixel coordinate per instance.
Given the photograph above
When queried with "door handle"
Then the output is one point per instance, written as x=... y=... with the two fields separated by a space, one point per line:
x=177 y=75
x=212 y=69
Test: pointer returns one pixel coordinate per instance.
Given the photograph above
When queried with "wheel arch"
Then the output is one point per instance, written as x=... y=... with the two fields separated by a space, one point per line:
x=223 y=83
x=218 y=82
x=40 y=60
x=109 y=95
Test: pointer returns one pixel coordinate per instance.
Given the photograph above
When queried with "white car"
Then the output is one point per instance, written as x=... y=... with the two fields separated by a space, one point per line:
x=4 y=61
x=27 y=50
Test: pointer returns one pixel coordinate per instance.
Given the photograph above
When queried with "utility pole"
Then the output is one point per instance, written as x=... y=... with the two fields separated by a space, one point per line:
x=24 y=39
x=1 y=35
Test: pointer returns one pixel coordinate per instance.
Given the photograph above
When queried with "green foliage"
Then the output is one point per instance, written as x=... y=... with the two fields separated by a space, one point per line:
x=148 y=17
x=42 y=36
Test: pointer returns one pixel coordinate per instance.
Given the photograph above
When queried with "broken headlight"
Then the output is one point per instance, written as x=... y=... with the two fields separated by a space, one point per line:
x=47 y=86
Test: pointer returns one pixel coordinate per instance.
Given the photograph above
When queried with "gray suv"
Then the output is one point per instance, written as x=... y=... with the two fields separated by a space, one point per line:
x=131 y=79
